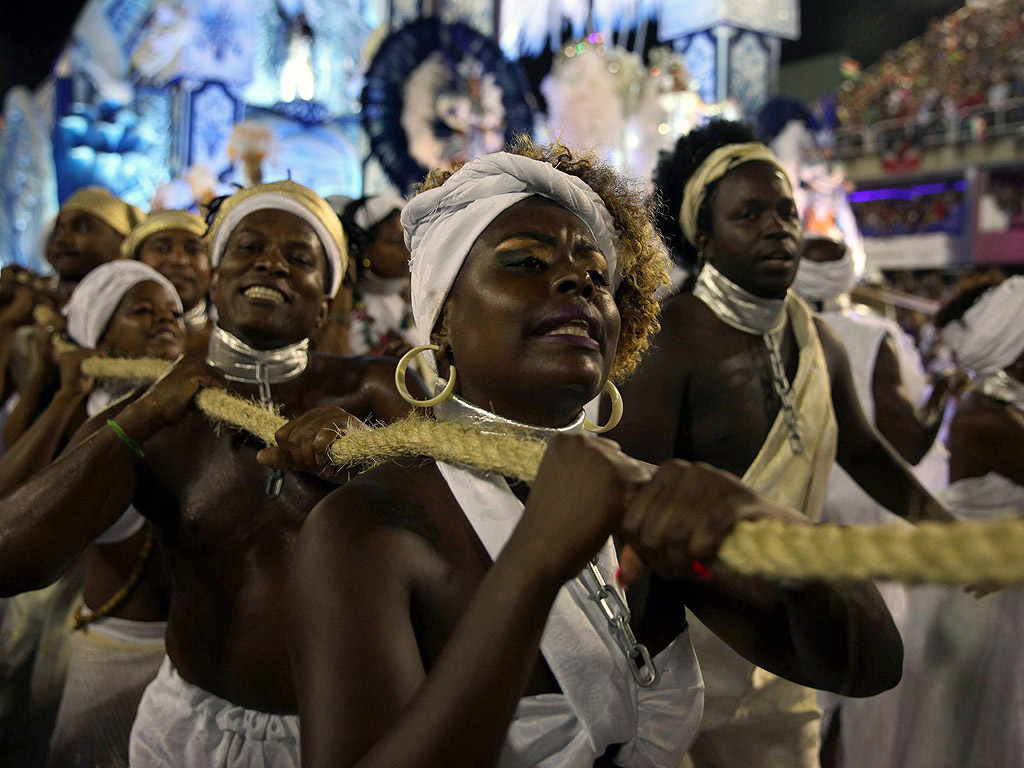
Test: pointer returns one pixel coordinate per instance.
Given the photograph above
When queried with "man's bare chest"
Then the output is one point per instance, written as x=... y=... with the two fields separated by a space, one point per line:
x=207 y=492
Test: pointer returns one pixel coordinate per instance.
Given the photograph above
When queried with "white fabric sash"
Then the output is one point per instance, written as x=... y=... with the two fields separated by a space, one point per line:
x=602 y=704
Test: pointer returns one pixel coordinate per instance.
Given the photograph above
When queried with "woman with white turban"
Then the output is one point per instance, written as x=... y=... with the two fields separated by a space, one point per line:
x=970 y=710
x=119 y=309
x=436 y=611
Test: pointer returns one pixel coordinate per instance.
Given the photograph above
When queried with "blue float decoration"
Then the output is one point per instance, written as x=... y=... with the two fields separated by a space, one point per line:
x=103 y=144
x=383 y=96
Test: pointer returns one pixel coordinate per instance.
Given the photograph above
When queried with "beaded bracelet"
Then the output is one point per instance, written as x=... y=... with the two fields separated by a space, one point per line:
x=126 y=438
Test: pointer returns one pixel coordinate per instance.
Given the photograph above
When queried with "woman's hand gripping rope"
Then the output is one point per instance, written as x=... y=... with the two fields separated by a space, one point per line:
x=770 y=546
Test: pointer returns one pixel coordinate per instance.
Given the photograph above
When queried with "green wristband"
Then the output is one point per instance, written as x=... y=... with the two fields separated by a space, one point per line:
x=126 y=438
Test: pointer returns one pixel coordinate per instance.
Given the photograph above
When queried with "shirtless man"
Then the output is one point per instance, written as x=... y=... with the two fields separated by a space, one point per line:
x=745 y=379
x=226 y=524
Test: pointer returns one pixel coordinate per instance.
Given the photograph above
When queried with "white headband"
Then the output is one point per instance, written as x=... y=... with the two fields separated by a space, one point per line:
x=282 y=202
x=714 y=167
x=990 y=335
x=97 y=296
x=442 y=224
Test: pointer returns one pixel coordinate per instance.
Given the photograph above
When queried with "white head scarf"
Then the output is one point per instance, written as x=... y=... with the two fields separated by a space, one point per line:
x=442 y=224
x=990 y=335
x=97 y=296
x=823 y=280
x=376 y=209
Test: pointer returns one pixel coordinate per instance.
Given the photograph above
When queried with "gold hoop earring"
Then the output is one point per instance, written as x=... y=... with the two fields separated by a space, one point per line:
x=615 y=418
x=403 y=390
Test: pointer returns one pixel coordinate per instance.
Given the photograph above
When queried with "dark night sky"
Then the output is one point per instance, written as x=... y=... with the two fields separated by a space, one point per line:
x=33 y=31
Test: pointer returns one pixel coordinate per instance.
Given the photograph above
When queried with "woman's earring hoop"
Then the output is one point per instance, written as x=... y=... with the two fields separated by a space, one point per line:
x=403 y=390
x=614 y=419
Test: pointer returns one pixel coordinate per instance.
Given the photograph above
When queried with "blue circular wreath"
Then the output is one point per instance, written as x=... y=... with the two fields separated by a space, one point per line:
x=400 y=54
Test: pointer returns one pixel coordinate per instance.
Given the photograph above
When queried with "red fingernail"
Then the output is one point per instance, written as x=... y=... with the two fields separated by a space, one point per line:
x=702 y=571
x=619 y=581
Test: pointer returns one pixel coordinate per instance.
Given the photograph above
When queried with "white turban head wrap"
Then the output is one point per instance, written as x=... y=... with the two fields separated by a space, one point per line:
x=714 y=167
x=823 y=280
x=442 y=224
x=990 y=335
x=295 y=199
x=376 y=209
x=97 y=296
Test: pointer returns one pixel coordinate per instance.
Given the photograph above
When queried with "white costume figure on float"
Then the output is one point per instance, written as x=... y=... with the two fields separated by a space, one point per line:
x=601 y=704
x=819 y=189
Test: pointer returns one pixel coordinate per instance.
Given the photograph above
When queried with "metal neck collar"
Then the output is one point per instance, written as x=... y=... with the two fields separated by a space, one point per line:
x=240 y=362
x=761 y=317
x=1002 y=387
x=737 y=307
x=459 y=411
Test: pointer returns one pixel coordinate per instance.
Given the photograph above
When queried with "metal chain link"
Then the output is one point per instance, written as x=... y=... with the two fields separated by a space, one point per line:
x=276 y=480
x=617 y=613
x=782 y=387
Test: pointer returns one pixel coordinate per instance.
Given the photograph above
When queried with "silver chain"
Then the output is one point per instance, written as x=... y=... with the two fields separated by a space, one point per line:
x=276 y=480
x=615 y=610
x=781 y=384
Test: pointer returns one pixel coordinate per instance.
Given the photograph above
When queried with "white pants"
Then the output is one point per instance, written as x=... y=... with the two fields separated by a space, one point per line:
x=110 y=663
x=182 y=726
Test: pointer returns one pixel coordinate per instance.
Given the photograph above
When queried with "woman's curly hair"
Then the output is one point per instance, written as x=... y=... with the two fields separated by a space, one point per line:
x=642 y=259
x=676 y=167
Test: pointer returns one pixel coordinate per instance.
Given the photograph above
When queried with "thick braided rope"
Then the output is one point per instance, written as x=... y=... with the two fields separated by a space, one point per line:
x=946 y=553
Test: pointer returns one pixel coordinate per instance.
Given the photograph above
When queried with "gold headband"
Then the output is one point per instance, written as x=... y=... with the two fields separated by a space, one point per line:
x=714 y=167
x=293 y=198
x=161 y=221
x=111 y=210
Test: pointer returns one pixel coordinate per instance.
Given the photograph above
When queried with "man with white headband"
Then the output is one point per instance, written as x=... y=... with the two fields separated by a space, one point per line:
x=975 y=649
x=225 y=523
x=481 y=641
x=742 y=376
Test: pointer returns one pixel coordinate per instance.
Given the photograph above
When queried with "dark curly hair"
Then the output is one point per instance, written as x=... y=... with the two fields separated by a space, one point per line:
x=642 y=259
x=675 y=168
x=965 y=298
